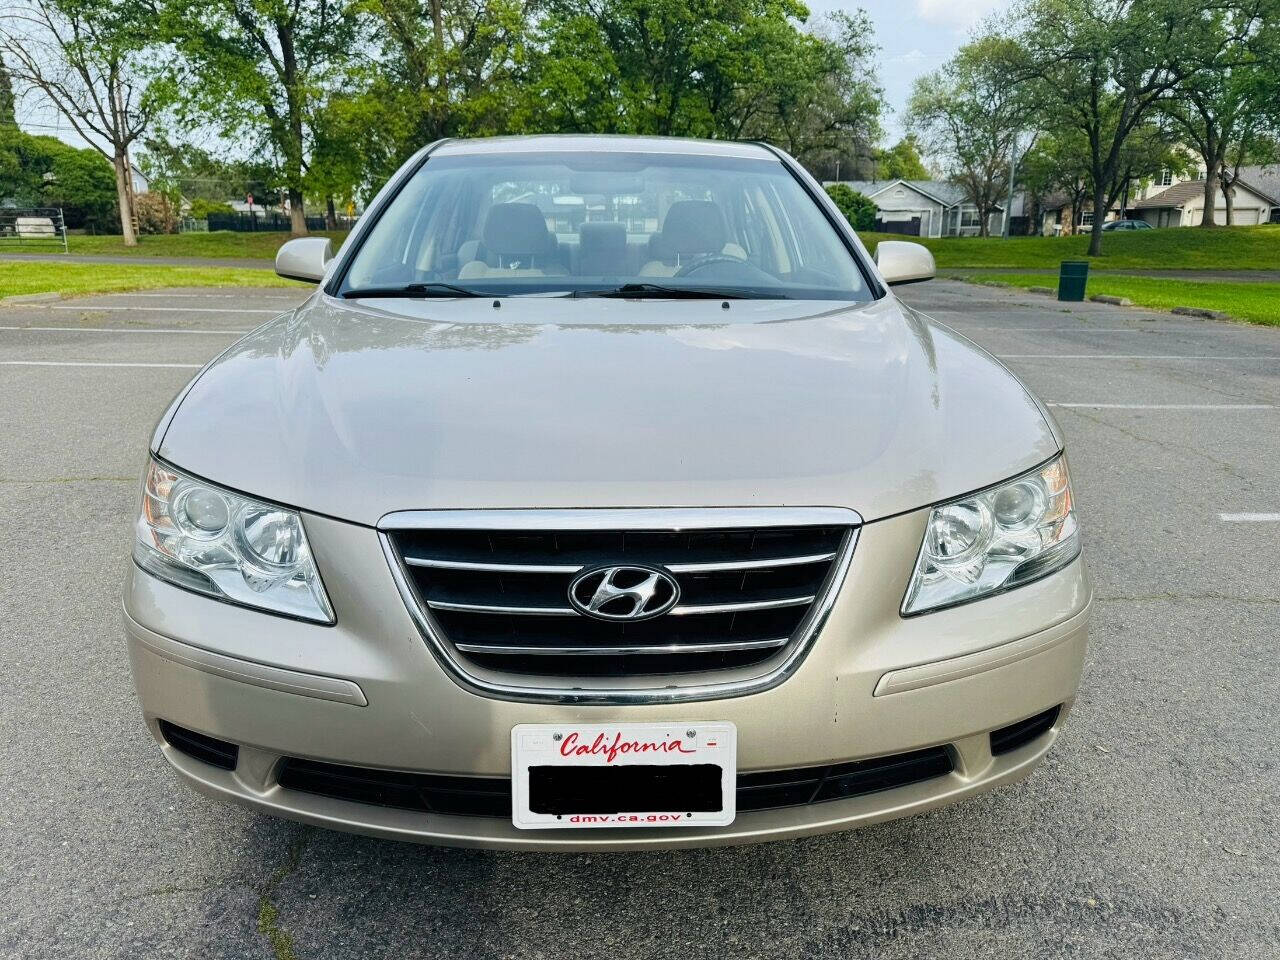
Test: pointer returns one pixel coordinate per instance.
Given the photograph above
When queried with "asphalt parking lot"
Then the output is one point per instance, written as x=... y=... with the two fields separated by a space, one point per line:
x=1150 y=832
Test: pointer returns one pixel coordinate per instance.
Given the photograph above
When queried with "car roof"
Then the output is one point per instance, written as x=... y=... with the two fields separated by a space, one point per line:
x=604 y=143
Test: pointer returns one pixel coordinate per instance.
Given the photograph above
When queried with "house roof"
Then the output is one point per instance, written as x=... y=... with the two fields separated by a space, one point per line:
x=1264 y=181
x=1181 y=194
x=945 y=193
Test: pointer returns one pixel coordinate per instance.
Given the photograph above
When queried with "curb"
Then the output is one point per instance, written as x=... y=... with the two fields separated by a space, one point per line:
x=1114 y=301
x=31 y=298
x=1200 y=313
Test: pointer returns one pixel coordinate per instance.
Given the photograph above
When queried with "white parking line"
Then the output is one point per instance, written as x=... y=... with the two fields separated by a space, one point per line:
x=1123 y=356
x=85 y=363
x=87 y=307
x=1249 y=517
x=1167 y=406
x=257 y=295
x=205 y=332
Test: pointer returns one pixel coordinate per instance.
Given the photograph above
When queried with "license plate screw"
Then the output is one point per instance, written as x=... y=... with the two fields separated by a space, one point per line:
x=557 y=736
x=690 y=734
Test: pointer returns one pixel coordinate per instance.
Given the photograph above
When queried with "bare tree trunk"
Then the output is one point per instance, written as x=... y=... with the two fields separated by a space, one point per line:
x=330 y=214
x=123 y=192
x=297 y=213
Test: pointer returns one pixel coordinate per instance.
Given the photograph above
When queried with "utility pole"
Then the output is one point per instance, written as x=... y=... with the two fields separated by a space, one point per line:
x=1013 y=174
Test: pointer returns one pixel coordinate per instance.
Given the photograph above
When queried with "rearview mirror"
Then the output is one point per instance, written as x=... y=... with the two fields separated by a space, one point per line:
x=902 y=262
x=304 y=259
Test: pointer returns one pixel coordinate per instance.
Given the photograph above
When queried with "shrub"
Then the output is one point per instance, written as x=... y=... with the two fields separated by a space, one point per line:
x=156 y=213
x=857 y=209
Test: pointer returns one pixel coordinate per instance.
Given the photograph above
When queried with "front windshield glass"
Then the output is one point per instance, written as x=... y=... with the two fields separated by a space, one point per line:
x=581 y=223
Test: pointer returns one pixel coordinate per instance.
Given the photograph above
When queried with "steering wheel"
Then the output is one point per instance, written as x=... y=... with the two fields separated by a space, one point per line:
x=709 y=260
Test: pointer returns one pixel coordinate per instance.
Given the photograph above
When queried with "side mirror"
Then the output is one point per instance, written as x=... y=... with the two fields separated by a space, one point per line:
x=304 y=259
x=902 y=262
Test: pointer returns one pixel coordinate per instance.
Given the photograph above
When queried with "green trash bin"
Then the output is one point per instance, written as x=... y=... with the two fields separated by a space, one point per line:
x=1073 y=276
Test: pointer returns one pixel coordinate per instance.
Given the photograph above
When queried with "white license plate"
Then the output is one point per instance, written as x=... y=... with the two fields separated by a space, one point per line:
x=572 y=776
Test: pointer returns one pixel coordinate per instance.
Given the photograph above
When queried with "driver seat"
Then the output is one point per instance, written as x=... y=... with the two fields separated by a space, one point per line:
x=691 y=230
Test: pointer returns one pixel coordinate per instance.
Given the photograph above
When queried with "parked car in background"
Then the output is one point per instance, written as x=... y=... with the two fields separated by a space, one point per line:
x=1126 y=225
x=603 y=496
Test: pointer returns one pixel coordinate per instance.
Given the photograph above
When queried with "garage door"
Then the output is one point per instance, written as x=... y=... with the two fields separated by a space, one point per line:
x=1248 y=217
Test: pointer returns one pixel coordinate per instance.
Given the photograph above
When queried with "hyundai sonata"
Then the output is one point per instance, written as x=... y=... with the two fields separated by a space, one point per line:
x=603 y=495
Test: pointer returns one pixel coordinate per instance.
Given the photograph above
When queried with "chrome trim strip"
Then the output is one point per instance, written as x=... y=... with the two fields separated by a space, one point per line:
x=686 y=611
x=726 y=566
x=673 y=692
x=513 y=611
x=669 y=648
x=494 y=567
x=656 y=518
x=694 y=610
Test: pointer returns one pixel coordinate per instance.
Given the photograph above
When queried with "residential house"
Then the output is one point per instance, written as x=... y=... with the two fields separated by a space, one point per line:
x=1182 y=205
x=1172 y=201
x=923 y=208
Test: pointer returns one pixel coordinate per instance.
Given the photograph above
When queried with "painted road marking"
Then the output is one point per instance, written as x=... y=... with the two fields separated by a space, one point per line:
x=83 y=363
x=1167 y=406
x=84 y=307
x=1249 y=517
x=205 y=332
x=1122 y=356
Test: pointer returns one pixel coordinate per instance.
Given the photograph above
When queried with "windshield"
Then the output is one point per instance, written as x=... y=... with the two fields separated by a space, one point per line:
x=587 y=223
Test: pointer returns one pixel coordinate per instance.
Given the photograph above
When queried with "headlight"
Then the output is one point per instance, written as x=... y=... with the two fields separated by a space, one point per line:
x=994 y=540
x=228 y=546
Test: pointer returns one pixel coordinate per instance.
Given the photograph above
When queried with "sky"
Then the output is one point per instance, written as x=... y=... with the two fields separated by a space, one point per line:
x=915 y=36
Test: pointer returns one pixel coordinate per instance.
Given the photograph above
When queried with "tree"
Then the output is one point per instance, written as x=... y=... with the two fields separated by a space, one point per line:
x=1102 y=67
x=857 y=209
x=443 y=68
x=50 y=173
x=737 y=69
x=972 y=112
x=86 y=60
x=1222 y=107
x=902 y=161
x=259 y=68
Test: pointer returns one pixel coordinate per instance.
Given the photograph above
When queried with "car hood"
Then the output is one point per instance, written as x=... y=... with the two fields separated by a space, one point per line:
x=355 y=409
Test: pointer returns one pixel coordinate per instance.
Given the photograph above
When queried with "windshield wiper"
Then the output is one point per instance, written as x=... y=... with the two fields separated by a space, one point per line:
x=433 y=289
x=637 y=290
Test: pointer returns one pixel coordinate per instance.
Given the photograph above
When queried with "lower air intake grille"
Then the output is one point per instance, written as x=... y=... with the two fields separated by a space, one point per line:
x=515 y=600
x=1019 y=734
x=210 y=750
x=491 y=796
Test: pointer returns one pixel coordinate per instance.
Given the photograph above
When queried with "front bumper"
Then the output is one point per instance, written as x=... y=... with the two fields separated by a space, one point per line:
x=367 y=692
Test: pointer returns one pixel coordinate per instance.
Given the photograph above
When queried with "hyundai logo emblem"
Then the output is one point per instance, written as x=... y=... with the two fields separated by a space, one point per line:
x=630 y=592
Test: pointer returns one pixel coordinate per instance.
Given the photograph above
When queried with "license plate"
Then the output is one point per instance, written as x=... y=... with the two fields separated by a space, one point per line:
x=573 y=776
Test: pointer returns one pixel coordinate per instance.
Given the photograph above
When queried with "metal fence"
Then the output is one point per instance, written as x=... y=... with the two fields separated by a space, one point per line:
x=269 y=222
x=36 y=229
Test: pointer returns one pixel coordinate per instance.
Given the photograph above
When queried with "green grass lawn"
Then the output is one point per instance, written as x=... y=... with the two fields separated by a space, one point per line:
x=1178 y=248
x=1186 y=248
x=1254 y=302
x=21 y=277
x=220 y=243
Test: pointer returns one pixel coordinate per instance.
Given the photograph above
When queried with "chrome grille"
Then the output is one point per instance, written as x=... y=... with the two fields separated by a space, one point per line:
x=495 y=599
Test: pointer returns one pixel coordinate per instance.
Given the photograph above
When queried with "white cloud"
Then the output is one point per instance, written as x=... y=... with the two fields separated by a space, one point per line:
x=959 y=15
